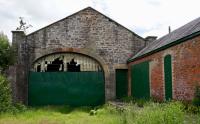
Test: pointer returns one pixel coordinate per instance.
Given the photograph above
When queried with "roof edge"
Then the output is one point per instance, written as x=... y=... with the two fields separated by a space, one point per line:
x=83 y=10
x=176 y=42
x=118 y=23
x=58 y=21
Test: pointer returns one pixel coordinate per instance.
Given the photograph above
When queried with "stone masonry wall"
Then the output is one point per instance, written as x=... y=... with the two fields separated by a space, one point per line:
x=185 y=70
x=88 y=32
x=17 y=74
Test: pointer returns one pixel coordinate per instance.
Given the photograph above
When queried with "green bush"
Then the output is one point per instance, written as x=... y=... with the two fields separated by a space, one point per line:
x=18 y=107
x=5 y=95
x=6 y=104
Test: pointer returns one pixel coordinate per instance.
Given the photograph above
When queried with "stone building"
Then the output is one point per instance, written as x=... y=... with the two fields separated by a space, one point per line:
x=86 y=41
x=88 y=58
x=168 y=68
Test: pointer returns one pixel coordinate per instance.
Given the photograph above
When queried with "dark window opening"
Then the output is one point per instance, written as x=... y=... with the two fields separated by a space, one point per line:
x=38 y=68
x=72 y=66
x=56 y=65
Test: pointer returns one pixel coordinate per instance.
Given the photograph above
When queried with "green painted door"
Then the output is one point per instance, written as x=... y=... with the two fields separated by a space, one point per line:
x=168 y=77
x=140 y=80
x=121 y=83
x=66 y=88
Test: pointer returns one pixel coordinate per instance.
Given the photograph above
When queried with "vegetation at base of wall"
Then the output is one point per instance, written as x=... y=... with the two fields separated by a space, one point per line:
x=156 y=113
x=142 y=111
x=151 y=113
x=193 y=107
x=127 y=99
x=5 y=95
x=139 y=102
x=18 y=108
x=190 y=108
x=6 y=104
x=135 y=111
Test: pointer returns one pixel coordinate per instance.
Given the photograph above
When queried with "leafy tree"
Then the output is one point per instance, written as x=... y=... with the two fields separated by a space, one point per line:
x=6 y=52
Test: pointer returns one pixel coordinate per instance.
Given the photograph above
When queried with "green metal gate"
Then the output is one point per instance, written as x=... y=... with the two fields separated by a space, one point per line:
x=168 y=77
x=121 y=83
x=66 y=88
x=140 y=80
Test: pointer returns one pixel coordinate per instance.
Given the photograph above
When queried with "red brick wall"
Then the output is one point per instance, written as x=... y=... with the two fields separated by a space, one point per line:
x=185 y=70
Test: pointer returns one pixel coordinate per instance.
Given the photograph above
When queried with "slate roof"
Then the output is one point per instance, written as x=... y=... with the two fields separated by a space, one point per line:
x=184 y=31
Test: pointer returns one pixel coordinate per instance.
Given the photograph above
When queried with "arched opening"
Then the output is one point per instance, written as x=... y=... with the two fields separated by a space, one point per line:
x=168 y=76
x=66 y=78
x=66 y=62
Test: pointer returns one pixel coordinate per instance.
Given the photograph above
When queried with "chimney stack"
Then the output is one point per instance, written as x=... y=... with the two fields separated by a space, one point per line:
x=150 y=39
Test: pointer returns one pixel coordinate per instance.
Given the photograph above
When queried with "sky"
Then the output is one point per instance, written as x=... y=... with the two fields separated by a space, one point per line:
x=144 y=17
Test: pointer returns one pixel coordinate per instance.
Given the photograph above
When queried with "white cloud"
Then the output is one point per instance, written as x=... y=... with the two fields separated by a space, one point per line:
x=144 y=17
x=153 y=17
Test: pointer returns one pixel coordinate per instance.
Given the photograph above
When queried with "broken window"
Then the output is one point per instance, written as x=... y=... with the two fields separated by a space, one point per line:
x=70 y=62
x=56 y=65
x=73 y=66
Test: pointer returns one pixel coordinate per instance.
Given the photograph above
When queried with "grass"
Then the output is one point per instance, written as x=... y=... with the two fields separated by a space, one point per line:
x=60 y=115
x=192 y=119
x=149 y=113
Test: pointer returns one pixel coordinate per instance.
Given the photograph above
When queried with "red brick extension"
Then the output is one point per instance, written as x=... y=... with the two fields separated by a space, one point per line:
x=185 y=70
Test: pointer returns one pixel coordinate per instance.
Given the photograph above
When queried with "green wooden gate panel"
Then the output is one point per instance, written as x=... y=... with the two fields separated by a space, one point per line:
x=140 y=80
x=66 y=88
x=168 y=77
x=121 y=83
